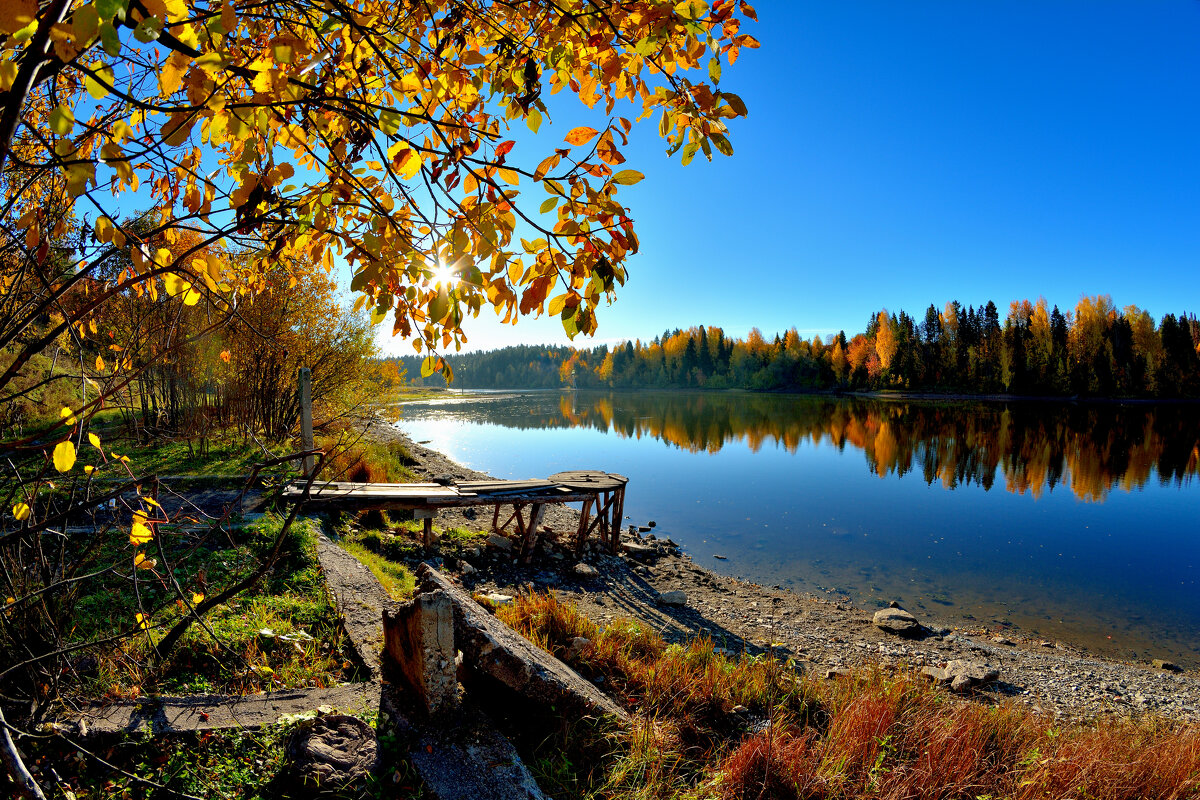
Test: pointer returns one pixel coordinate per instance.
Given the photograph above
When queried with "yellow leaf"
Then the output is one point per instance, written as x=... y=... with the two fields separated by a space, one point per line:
x=174 y=284
x=197 y=598
x=68 y=416
x=16 y=14
x=95 y=440
x=22 y=511
x=99 y=364
x=89 y=469
x=225 y=356
x=8 y=74
x=97 y=87
x=627 y=177
x=142 y=621
x=139 y=534
x=691 y=9
x=62 y=120
x=581 y=135
x=170 y=76
x=141 y=562
x=64 y=456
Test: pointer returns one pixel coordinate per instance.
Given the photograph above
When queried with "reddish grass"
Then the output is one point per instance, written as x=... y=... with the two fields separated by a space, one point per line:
x=881 y=735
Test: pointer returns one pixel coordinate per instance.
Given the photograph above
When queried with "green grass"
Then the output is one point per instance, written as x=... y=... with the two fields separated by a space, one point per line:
x=222 y=765
x=281 y=633
x=397 y=580
x=385 y=550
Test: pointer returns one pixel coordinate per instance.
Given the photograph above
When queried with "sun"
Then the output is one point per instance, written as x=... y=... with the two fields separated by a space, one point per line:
x=443 y=275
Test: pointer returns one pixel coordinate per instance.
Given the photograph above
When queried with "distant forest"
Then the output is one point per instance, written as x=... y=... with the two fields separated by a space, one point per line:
x=1093 y=350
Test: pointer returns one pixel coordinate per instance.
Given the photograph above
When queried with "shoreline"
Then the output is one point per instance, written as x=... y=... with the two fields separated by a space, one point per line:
x=823 y=634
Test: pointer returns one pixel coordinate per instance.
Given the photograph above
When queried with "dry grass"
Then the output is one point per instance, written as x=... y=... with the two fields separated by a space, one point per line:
x=880 y=735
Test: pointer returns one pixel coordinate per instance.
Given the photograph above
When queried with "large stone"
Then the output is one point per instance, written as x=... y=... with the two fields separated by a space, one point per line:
x=675 y=597
x=419 y=637
x=961 y=675
x=897 y=621
x=330 y=752
x=585 y=570
x=498 y=542
x=493 y=651
x=638 y=550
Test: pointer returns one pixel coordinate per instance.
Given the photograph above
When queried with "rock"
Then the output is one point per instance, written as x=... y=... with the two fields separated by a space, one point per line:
x=838 y=672
x=466 y=568
x=897 y=621
x=578 y=645
x=330 y=752
x=496 y=655
x=1003 y=641
x=639 y=551
x=893 y=604
x=962 y=675
x=499 y=542
x=419 y=642
x=740 y=709
x=499 y=599
x=652 y=524
x=675 y=597
x=720 y=558
x=643 y=528
x=585 y=570
x=1167 y=665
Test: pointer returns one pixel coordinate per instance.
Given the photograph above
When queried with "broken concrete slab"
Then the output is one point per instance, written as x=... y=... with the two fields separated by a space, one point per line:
x=359 y=599
x=469 y=759
x=214 y=712
x=419 y=640
x=494 y=651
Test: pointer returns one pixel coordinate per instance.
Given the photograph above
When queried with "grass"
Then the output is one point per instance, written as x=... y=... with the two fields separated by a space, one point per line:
x=397 y=580
x=365 y=461
x=282 y=633
x=878 y=735
x=385 y=551
x=223 y=765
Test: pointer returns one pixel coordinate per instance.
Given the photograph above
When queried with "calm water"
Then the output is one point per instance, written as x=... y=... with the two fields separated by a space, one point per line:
x=1073 y=522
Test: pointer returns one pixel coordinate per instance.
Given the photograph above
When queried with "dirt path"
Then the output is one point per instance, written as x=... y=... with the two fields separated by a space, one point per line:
x=1051 y=677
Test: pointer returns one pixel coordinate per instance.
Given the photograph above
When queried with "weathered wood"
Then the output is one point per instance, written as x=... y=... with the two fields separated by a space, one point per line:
x=529 y=540
x=306 y=420
x=604 y=491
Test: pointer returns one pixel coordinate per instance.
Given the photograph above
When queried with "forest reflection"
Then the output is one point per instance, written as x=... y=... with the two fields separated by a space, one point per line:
x=1030 y=447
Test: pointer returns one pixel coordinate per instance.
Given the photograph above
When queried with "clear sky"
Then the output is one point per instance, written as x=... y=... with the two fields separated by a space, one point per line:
x=903 y=153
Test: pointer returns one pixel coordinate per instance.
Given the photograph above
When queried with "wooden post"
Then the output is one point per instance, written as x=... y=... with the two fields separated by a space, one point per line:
x=426 y=515
x=306 y=421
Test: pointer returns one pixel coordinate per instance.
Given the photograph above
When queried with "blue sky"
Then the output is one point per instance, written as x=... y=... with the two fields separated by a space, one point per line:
x=902 y=153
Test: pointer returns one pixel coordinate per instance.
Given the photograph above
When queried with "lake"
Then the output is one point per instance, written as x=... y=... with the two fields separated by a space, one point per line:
x=1074 y=522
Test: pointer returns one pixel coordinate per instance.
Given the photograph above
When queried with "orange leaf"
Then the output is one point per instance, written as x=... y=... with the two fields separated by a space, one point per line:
x=582 y=135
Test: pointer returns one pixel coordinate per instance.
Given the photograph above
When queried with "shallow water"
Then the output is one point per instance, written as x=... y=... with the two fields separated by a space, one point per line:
x=1073 y=522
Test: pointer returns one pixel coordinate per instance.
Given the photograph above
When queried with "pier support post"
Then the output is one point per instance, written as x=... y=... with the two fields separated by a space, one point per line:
x=306 y=420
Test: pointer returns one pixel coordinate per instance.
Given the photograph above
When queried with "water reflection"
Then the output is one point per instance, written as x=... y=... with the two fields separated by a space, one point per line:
x=1030 y=447
x=803 y=491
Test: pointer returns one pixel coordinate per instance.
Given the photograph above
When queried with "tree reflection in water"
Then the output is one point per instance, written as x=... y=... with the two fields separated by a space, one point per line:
x=1032 y=447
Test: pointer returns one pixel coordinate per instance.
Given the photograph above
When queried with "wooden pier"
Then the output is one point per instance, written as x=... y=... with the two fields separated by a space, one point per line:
x=602 y=495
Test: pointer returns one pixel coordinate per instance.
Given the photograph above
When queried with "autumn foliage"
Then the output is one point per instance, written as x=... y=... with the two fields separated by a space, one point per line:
x=1093 y=350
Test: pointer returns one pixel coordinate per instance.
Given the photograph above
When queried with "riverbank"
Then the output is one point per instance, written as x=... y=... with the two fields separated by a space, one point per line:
x=1051 y=677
